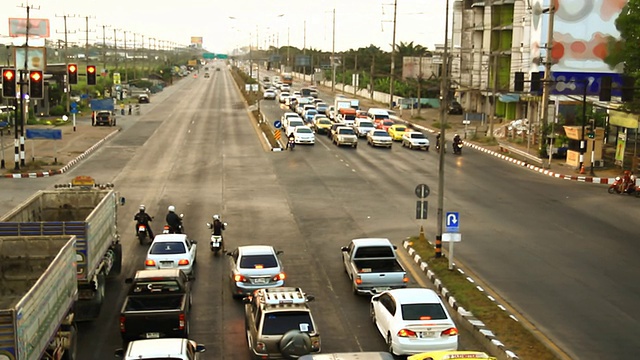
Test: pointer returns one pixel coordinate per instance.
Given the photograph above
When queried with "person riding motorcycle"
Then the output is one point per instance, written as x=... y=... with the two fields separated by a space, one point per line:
x=217 y=225
x=628 y=182
x=142 y=218
x=174 y=221
x=456 y=139
x=291 y=141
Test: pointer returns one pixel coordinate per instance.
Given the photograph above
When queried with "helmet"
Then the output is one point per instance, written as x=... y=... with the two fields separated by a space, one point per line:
x=142 y=207
x=216 y=217
x=456 y=135
x=172 y=208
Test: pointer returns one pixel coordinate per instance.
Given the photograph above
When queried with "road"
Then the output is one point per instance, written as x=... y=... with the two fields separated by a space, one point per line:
x=556 y=250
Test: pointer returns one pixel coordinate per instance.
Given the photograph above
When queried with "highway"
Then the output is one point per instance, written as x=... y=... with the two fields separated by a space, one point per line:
x=562 y=253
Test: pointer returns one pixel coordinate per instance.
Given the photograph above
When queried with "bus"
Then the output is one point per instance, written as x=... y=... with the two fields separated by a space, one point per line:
x=287 y=78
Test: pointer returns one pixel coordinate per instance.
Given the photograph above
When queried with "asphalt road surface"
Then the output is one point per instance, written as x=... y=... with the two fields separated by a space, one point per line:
x=562 y=253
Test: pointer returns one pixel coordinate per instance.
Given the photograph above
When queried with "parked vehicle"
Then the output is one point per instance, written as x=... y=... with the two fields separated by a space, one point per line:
x=157 y=306
x=87 y=210
x=279 y=324
x=372 y=266
x=154 y=349
x=38 y=283
x=105 y=118
x=413 y=321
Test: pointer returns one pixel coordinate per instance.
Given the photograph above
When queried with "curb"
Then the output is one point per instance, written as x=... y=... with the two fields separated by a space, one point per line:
x=64 y=168
x=465 y=318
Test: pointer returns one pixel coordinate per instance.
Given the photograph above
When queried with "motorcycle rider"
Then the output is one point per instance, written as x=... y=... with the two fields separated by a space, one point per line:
x=628 y=182
x=456 y=140
x=174 y=221
x=291 y=141
x=142 y=218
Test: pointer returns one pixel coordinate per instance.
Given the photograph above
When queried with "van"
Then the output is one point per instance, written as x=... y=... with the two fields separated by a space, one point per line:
x=377 y=115
x=347 y=116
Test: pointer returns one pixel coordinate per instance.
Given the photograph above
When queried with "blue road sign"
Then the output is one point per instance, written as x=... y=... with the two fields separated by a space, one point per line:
x=74 y=110
x=3 y=124
x=73 y=105
x=277 y=124
x=452 y=221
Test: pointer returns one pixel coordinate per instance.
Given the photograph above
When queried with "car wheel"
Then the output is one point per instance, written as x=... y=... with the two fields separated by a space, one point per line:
x=410 y=146
x=294 y=344
x=355 y=146
x=426 y=149
x=403 y=144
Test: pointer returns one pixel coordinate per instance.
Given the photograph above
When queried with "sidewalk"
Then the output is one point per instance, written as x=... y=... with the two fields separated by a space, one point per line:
x=44 y=157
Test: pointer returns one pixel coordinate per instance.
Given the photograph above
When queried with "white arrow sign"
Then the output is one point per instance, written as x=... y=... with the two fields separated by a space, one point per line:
x=452 y=221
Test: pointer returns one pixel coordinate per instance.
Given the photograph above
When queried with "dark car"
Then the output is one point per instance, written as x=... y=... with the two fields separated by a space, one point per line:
x=455 y=108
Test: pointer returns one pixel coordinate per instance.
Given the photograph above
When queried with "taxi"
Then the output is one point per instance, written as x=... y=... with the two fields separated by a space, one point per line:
x=447 y=355
x=396 y=131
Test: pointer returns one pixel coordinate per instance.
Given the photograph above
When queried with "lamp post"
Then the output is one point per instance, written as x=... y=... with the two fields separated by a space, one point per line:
x=393 y=50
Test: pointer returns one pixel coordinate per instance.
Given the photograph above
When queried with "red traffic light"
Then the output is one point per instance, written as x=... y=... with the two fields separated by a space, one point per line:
x=72 y=68
x=35 y=76
x=91 y=69
x=8 y=74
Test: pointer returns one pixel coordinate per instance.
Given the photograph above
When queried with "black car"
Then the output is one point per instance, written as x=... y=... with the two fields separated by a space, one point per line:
x=455 y=108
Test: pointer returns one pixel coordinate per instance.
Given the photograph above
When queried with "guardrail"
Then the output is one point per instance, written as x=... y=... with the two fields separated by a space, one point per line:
x=523 y=154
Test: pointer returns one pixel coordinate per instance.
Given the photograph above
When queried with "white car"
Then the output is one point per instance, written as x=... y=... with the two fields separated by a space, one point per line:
x=172 y=251
x=304 y=135
x=413 y=320
x=362 y=127
x=377 y=137
x=283 y=96
x=415 y=140
x=269 y=94
x=293 y=123
x=165 y=348
x=254 y=267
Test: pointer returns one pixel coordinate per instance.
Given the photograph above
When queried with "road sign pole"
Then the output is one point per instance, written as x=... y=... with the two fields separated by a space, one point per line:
x=451 y=255
x=74 y=121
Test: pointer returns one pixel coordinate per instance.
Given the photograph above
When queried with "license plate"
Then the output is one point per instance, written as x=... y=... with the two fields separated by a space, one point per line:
x=426 y=334
x=166 y=263
x=260 y=281
x=381 y=289
x=153 y=335
x=215 y=244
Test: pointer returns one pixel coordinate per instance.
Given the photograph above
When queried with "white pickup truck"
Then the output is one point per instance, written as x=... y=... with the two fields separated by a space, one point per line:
x=372 y=266
x=166 y=348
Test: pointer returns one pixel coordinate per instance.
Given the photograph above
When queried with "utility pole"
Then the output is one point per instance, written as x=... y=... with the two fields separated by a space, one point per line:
x=444 y=100
x=333 y=54
x=124 y=60
x=133 y=49
x=546 y=85
x=104 y=47
x=494 y=85
x=67 y=86
x=393 y=54
x=115 y=48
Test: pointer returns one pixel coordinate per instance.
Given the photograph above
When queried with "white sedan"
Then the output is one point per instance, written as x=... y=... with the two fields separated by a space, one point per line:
x=304 y=135
x=269 y=94
x=413 y=320
x=415 y=140
x=172 y=251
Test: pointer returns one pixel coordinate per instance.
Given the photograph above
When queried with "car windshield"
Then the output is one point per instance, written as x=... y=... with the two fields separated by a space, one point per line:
x=311 y=112
x=423 y=312
x=278 y=323
x=324 y=121
x=258 y=261
x=388 y=123
x=302 y=130
x=365 y=124
x=346 y=131
x=296 y=123
x=167 y=248
x=401 y=129
x=380 y=133
x=417 y=136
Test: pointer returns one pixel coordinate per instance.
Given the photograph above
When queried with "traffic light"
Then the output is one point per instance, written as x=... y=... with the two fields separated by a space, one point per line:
x=605 y=88
x=9 y=83
x=91 y=74
x=628 y=88
x=36 y=84
x=535 y=82
x=72 y=74
x=519 y=81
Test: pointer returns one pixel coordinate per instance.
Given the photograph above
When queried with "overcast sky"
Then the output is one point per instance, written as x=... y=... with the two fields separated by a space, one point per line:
x=359 y=23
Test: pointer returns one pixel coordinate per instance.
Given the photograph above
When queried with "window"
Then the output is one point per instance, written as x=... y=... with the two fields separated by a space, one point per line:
x=387 y=301
x=278 y=323
x=423 y=312
x=168 y=248
x=258 y=261
x=374 y=252
x=148 y=287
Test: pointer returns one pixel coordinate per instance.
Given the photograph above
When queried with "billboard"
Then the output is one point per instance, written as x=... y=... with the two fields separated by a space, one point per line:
x=580 y=33
x=196 y=40
x=414 y=67
x=37 y=27
x=303 y=60
x=37 y=57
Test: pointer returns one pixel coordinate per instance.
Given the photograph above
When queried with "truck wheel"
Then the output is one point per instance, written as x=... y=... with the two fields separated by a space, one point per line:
x=71 y=352
x=294 y=344
x=116 y=268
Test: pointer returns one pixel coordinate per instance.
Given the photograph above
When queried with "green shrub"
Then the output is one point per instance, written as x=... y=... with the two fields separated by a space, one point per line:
x=58 y=110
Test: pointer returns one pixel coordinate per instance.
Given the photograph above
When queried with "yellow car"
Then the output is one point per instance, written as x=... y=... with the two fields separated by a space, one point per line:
x=396 y=131
x=322 y=125
x=447 y=355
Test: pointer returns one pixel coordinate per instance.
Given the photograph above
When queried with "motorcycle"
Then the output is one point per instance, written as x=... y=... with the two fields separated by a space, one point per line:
x=291 y=144
x=142 y=233
x=216 y=243
x=618 y=187
x=167 y=229
x=457 y=148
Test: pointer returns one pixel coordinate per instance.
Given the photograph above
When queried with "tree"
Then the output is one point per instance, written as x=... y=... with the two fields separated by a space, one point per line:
x=626 y=50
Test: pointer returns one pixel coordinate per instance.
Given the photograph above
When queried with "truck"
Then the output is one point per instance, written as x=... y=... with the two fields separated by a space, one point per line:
x=372 y=266
x=157 y=306
x=38 y=289
x=103 y=112
x=343 y=102
x=87 y=210
x=287 y=78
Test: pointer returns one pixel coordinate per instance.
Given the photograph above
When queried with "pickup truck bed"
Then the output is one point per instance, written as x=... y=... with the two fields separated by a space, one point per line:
x=154 y=316
x=154 y=303
x=375 y=266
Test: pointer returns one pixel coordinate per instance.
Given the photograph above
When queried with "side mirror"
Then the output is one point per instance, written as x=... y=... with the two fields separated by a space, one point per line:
x=344 y=248
x=225 y=224
x=200 y=348
x=395 y=247
x=247 y=300
x=227 y=253
x=181 y=216
x=208 y=225
x=128 y=280
x=119 y=353
x=310 y=297
x=122 y=200
x=194 y=241
x=279 y=252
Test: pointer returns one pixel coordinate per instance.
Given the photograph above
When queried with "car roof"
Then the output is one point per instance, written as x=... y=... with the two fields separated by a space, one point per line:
x=302 y=127
x=371 y=241
x=349 y=356
x=415 y=296
x=256 y=250
x=169 y=237
x=152 y=348
x=152 y=273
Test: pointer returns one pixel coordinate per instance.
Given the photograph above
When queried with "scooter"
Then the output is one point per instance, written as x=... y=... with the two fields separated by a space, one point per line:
x=167 y=229
x=216 y=243
x=457 y=148
x=618 y=187
x=291 y=144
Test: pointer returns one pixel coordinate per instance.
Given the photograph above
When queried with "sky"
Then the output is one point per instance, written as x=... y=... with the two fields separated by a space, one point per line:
x=226 y=25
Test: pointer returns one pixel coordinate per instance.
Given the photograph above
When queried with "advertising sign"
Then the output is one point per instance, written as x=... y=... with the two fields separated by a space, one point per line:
x=37 y=57
x=303 y=60
x=196 y=40
x=116 y=78
x=620 y=146
x=37 y=27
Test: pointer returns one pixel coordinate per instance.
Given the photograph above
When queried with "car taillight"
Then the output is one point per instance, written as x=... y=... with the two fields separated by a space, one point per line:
x=181 y=321
x=315 y=343
x=261 y=347
x=358 y=280
x=183 y=262
x=406 y=333
x=405 y=279
x=279 y=277
x=122 y=321
x=450 y=332
x=239 y=278
x=150 y=262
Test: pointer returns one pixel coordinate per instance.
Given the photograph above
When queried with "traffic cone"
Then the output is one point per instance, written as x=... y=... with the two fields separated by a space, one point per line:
x=421 y=237
x=582 y=169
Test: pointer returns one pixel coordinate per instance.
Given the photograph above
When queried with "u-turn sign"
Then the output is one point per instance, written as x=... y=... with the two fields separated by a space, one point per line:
x=452 y=221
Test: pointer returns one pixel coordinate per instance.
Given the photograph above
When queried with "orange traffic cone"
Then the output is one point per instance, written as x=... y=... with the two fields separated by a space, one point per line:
x=582 y=169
